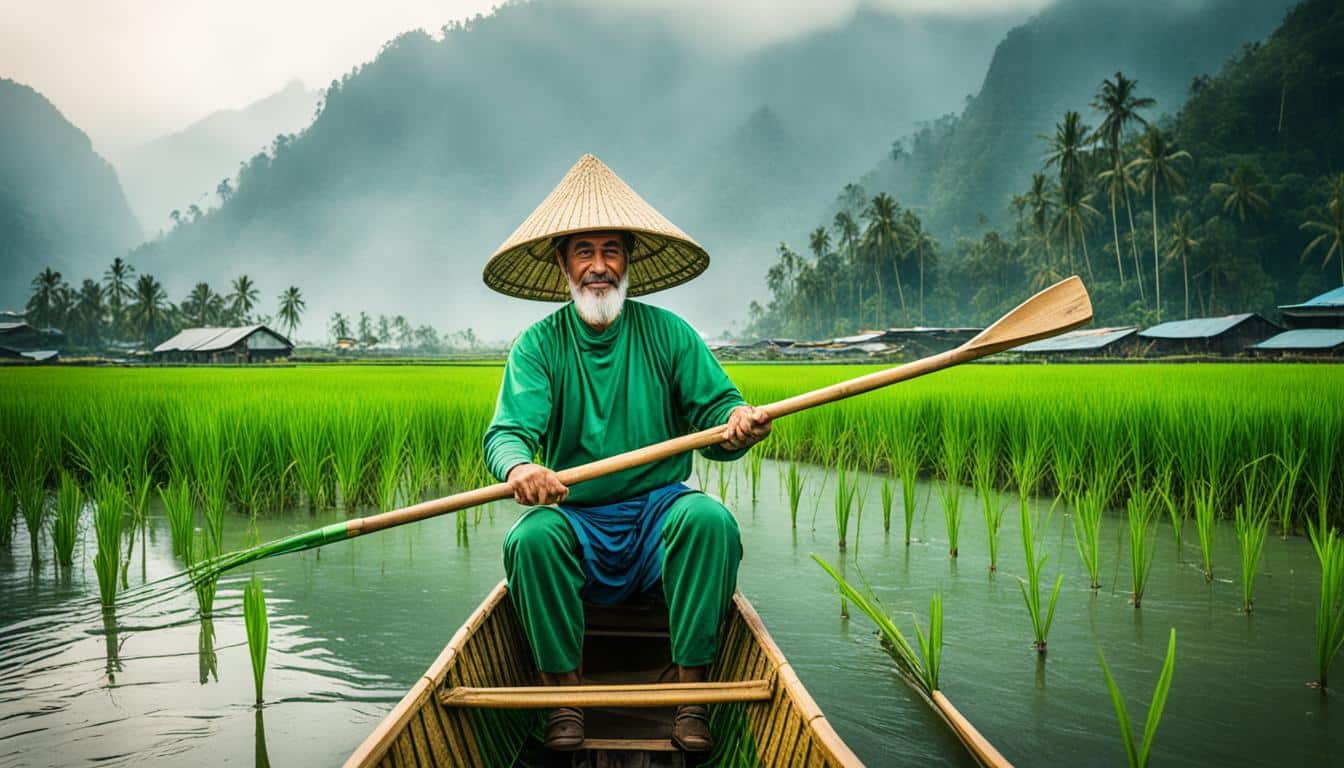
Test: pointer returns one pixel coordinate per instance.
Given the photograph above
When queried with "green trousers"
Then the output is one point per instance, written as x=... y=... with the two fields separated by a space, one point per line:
x=702 y=547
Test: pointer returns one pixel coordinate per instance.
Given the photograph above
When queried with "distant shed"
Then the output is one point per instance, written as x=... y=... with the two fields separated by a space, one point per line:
x=1087 y=343
x=1324 y=311
x=248 y=344
x=1322 y=342
x=1227 y=335
x=921 y=341
x=20 y=335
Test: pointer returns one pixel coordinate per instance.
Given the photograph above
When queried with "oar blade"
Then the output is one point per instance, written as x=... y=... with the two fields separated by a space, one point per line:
x=1059 y=308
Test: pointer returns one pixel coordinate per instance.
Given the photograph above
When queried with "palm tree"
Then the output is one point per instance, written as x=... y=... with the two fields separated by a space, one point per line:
x=919 y=242
x=117 y=279
x=1244 y=191
x=340 y=326
x=243 y=298
x=1331 y=228
x=882 y=242
x=88 y=312
x=405 y=334
x=150 y=310
x=1040 y=201
x=1068 y=147
x=1156 y=166
x=1075 y=215
x=1117 y=183
x=820 y=244
x=203 y=306
x=291 y=308
x=1180 y=244
x=43 y=309
x=848 y=231
x=1119 y=107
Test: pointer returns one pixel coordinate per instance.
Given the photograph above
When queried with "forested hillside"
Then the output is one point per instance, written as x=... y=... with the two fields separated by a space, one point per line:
x=60 y=203
x=1234 y=203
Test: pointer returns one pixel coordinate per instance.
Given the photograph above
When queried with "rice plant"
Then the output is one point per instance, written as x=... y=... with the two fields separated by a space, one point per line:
x=1329 y=546
x=419 y=461
x=1137 y=754
x=391 y=457
x=1205 y=503
x=794 y=485
x=1088 y=510
x=32 y=495
x=1252 y=528
x=888 y=494
x=1322 y=462
x=754 y=459
x=179 y=508
x=904 y=453
x=1175 y=507
x=109 y=515
x=984 y=476
x=845 y=483
x=307 y=446
x=952 y=459
x=1285 y=489
x=258 y=630
x=247 y=447
x=8 y=503
x=1142 y=511
x=64 y=531
x=351 y=441
x=724 y=479
x=1031 y=586
x=923 y=666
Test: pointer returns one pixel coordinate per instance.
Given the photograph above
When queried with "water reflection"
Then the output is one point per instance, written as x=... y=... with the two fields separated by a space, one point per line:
x=111 y=644
x=207 y=659
x=263 y=760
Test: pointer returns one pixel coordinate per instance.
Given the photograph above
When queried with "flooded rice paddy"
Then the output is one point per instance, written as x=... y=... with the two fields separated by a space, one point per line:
x=354 y=624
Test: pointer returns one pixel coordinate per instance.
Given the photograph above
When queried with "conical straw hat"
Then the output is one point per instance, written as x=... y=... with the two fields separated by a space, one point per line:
x=592 y=197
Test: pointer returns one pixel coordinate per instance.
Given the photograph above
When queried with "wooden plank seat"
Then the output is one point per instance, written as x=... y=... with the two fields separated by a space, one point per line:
x=640 y=695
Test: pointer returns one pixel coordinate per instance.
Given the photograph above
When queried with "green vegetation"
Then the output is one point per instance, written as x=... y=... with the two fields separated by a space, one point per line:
x=846 y=480
x=1251 y=529
x=1031 y=586
x=109 y=515
x=7 y=506
x=794 y=484
x=1088 y=510
x=956 y=442
x=64 y=531
x=922 y=666
x=1137 y=754
x=1329 y=547
x=258 y=631
x=1141 y=507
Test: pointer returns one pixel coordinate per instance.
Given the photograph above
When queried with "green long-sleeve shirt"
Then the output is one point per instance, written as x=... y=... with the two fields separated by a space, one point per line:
x=575 y=395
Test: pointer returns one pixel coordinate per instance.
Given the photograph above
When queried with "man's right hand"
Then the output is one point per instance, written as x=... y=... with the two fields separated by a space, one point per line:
x=534 y=485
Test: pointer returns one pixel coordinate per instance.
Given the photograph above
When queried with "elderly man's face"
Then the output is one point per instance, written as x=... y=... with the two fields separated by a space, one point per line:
x=595 y=261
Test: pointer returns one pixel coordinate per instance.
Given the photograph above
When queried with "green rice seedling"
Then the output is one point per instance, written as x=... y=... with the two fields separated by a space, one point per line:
x=701 y=465
x=419 y=461
x=1028 y=453
x=64 y=531
x=1137 y=754
x=180 y=510
x=1285 y=489
x=1166 y=495
x=204 y=580
x=1252 y=528
x=1141 y=508
x=308 y=450
x=952 y=460
x=109 y=515
x=247 y=448
x=888 y=498
x=1087 y=514
x=351 y=441
x=844 y=498
x=8 y=502
x=1031 y=586
x=1066 y=458
x=391 y=457
x=754 y=459
x=258 y=631
x=1329 y=546
x=724 y=479
x=795 y=488
x=1205 y=503
x=904 y=454
x=984 y=476
x=30 y=484
x=923 y=666
x=1321 y=465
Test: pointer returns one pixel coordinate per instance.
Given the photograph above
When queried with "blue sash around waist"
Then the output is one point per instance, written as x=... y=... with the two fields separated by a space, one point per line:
x=622 y=543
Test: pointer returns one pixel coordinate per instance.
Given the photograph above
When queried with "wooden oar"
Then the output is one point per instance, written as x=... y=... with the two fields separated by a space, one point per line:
x=1061 y=307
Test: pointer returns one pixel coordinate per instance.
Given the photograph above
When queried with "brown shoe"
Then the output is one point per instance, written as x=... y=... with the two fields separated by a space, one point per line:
x=690 y=728
x=564 y=730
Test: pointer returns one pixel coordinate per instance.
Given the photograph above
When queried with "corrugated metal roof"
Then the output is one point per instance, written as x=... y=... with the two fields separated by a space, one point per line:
x=6 y=327
x=1079 y=341
x=1329 y=299
x=1304 y=338
x=210 y=339
x=1196 y=328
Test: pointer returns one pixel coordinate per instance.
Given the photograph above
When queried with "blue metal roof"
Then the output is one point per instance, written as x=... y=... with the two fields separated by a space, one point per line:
x=1304 y=338
x=1196 y=328
x=1327 y=300
x=1079 y=341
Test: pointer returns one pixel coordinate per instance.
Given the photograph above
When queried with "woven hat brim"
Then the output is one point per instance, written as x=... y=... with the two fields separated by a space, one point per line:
x=530 y=270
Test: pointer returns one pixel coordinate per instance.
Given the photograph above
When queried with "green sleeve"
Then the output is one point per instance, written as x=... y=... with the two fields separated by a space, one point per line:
x=704 y=392
x=522 y=411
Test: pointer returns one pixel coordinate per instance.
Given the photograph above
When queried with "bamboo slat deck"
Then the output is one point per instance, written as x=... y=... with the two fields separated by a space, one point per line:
x=782 y=722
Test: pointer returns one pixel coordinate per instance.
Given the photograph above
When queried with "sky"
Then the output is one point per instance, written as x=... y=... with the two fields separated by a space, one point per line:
x=127 y=71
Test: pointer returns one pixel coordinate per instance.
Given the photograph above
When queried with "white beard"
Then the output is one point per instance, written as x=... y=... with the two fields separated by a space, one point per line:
x=600 y=311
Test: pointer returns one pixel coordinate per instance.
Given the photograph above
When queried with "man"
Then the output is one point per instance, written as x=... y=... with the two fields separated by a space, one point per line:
x=601 y=376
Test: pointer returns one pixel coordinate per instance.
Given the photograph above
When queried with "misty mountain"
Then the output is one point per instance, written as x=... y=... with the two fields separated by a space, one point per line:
x=423 y=160
x=961 y=170
x=60 y=202
x=184 y=168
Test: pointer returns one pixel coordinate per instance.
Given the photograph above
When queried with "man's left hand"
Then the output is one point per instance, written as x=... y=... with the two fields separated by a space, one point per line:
x=746 y=427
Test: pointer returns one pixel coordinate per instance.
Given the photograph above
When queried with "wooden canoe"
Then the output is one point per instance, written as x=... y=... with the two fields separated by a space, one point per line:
x=480 y=699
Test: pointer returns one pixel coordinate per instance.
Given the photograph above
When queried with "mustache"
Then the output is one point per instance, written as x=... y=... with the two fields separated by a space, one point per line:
x=599 y=278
